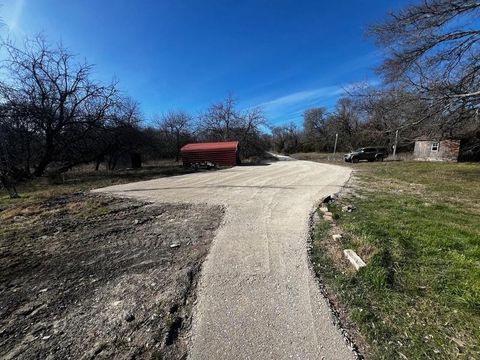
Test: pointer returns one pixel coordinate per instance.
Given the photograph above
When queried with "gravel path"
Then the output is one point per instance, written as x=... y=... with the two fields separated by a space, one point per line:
x=257 y=296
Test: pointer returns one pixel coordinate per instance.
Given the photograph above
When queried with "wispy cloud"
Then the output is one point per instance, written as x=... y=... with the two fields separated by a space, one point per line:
x=15 y=10
x=289 y=107
x=301 y=97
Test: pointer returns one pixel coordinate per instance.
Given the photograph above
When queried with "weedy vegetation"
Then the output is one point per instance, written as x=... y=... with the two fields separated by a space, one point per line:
x=83 y=179
x=417 y=226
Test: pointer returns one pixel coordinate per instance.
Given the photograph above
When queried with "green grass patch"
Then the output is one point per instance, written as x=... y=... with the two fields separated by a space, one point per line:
x=418 y=227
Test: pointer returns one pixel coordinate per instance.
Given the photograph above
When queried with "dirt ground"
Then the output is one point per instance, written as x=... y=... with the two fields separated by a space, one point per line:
x=258 y=297
x=90 y=276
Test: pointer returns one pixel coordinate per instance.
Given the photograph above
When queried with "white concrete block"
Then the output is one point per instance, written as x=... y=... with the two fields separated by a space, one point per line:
x=354 y=259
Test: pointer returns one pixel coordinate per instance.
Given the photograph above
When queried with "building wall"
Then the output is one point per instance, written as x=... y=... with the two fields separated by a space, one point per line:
x=226 y=157
x=448 y=150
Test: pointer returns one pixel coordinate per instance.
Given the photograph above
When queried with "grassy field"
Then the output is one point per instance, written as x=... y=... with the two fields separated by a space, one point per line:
x=417 y=226
x=319 y=157
x=338 y=157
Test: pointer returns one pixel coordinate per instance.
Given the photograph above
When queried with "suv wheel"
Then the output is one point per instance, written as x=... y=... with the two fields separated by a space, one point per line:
x=355 y=160
x=380 y=158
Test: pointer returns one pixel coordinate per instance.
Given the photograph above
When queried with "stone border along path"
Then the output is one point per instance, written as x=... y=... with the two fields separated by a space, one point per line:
x=257 y=297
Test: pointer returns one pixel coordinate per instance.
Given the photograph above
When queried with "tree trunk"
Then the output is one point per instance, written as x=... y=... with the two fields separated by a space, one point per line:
x=42 y=165
x=98 y=161
x=9 y=186
x=46 y=159
x=112 y=162
x=136 y=160
x=177 y=157
x=29 y=156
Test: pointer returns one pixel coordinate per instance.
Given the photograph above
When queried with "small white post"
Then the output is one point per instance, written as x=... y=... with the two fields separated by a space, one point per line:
x=335 y=146
x=395 y=146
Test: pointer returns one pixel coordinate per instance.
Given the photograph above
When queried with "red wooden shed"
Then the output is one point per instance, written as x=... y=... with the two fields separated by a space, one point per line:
x=217 y=153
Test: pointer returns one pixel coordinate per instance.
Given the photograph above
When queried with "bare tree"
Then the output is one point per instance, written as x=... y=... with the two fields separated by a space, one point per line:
x=119 y=136
x=286 y=138
x=345 y=121
x=251 y=120
x=176 y=124
x=219 y=119
x=57 y=96
x=434 y=49
x=7 y=167
x=223 y=121
x=314 y=128
x=249 y=132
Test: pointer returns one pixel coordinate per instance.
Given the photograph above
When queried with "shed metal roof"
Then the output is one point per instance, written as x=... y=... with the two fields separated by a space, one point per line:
x=211 y=146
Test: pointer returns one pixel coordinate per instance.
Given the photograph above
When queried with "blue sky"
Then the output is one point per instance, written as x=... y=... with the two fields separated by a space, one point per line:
x=284 y=55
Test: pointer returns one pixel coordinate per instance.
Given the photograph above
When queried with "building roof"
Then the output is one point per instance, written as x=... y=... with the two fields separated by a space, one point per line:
x=433 y=139
x=211 y=146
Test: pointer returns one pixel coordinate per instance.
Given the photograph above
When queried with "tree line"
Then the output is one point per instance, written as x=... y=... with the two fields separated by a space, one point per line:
x=430 y=86
x=54 y=115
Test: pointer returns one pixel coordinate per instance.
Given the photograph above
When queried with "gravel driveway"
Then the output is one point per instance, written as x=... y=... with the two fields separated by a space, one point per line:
x=257 y=297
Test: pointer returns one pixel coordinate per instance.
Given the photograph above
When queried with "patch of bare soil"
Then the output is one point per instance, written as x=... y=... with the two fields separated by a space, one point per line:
x=87 y=276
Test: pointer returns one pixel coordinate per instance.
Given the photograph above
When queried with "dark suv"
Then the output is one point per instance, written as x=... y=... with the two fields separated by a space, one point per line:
x=366 y=153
